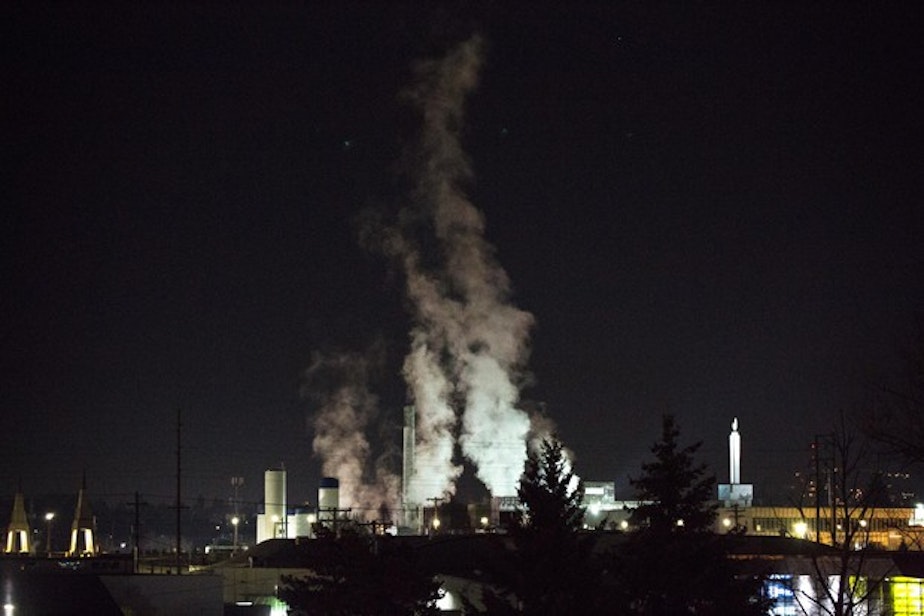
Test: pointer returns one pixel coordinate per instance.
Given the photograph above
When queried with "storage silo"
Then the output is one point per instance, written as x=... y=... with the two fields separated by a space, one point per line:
x=328 y=500
x=274 y=503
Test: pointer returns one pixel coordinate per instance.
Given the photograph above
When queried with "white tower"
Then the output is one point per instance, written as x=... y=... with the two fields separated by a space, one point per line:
x=273 y=522
x=734 y=493
x=734 y=454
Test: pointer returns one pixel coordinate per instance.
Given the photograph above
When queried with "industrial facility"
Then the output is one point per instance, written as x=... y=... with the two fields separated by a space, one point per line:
x=786 y=538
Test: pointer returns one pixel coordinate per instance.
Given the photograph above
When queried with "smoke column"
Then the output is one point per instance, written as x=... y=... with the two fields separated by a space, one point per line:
x=468 y=340
x=339 y=385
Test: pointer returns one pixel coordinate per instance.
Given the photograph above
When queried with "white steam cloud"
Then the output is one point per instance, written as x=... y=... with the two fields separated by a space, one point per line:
x=467 y=333
x=339 y=385
x=468 y=343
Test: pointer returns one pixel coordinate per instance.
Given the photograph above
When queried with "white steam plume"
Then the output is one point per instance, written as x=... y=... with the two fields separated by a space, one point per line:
x=467 y=332
x=339 y=384
x=434 y=471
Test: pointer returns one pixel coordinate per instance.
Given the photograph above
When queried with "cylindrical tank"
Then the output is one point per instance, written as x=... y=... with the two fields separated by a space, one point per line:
x=274 y=494
x=328 y=499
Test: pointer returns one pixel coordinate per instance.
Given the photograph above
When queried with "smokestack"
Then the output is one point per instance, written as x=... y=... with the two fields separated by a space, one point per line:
x=407 y=467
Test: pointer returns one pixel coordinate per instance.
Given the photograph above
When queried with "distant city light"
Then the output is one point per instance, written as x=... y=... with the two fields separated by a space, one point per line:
x=800 y=529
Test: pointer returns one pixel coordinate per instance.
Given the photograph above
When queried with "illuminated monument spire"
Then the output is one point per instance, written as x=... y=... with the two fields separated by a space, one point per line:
x=17 y=535
x=734 y=493
x=734 y=454
x=83 y=530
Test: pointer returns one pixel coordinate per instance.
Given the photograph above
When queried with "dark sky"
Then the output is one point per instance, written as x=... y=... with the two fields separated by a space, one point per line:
x=711 y=213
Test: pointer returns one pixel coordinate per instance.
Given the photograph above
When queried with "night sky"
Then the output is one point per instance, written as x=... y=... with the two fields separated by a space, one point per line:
x=709 y=212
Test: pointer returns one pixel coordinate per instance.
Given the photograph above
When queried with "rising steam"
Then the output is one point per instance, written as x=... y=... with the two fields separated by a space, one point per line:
x=466 y=331
x=339 y=385
x=468 y=343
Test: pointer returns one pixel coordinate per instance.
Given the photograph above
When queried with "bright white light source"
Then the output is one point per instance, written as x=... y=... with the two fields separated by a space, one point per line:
x=917 y=518
x=800 y=529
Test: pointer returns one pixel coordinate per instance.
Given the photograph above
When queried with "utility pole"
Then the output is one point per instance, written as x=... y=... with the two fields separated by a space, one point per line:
x=236 y=483
x=335 y=513
x=826 y=441
x=374 y=525
x=179 y=505
x=816 y=456
x=736 y=511
x=136 y=531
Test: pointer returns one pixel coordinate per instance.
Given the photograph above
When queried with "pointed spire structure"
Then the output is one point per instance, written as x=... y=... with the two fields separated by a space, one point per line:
x=18 y=533
x=734 y=454
x=83 y=530
x=734 y=493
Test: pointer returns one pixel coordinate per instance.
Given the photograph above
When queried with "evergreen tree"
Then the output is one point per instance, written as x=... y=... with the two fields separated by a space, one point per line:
x=676 y=490
x=553 y=568
x=549 y=493
x=672 y=563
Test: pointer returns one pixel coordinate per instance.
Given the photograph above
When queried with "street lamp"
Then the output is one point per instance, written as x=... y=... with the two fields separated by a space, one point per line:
x=234 y=522
x=49 y=518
